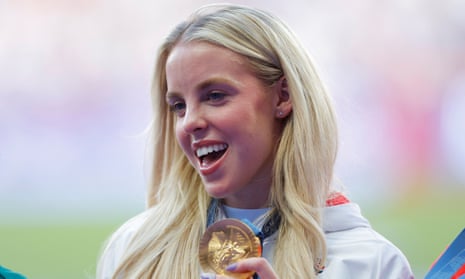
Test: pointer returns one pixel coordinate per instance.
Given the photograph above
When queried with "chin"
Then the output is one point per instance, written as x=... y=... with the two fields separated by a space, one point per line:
x=216 y=191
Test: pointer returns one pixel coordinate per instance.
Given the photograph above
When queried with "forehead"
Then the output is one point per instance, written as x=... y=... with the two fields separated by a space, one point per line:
x=202 y=54
x=198 y=48
x=197 y=59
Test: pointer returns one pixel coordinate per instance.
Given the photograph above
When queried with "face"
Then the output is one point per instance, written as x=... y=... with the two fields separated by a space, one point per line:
x=226 y=121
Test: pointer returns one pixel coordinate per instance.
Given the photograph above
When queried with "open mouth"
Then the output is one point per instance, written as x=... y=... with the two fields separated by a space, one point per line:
x=210 y=154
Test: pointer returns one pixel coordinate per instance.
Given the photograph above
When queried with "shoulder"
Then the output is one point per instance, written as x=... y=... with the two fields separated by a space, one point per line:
x=117 y=244
x=356 y=249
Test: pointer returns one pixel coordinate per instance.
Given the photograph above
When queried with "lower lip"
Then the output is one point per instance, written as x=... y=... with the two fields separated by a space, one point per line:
x=205 y=171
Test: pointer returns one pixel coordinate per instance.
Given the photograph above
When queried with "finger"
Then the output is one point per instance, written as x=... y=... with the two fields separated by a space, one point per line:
x=208 y=276
x=260 y=265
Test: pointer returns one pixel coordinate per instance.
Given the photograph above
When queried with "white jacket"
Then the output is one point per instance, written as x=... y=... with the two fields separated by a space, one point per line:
x=355 y=250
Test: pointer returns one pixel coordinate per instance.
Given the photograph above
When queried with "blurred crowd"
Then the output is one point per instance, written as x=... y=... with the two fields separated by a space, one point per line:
x=75 y=82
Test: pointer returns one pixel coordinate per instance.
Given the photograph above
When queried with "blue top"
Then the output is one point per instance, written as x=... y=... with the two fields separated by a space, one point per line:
x=239 y=213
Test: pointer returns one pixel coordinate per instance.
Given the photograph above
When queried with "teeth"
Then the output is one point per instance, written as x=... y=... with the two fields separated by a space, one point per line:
x=202 y=151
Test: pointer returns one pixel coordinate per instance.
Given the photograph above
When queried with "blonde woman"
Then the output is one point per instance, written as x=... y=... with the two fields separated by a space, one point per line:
x=244 y=129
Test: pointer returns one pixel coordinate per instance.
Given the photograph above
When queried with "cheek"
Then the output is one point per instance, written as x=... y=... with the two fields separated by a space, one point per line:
x=181 y=138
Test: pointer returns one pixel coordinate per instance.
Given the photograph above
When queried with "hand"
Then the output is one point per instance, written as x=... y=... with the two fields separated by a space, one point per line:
x=259 y=265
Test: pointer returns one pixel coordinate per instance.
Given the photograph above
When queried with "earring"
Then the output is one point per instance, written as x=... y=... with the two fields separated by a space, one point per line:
x=280 y=113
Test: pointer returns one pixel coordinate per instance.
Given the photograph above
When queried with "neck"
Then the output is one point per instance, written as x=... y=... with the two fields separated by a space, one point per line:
x=245 y=204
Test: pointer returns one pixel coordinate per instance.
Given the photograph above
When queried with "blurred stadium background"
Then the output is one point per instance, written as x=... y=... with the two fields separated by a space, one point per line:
x=74 y=106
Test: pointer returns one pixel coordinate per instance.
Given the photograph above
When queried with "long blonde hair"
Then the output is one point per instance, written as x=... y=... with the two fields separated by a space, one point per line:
x=166 y=246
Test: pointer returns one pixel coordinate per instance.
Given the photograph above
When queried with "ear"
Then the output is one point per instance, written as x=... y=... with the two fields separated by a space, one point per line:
x=284 y=104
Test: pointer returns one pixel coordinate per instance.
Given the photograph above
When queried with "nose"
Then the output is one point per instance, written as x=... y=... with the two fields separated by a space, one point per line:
x=194 y=120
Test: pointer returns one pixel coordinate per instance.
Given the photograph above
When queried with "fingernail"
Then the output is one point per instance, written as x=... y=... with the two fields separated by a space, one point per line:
x=207 y=276
x=231 y=267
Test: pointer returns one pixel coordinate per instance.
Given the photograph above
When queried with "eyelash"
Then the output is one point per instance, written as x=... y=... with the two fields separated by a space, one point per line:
x=174 y=107
x=213 y=97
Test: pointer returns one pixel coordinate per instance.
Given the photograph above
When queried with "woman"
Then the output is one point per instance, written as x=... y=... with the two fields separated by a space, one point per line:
x=244 y=129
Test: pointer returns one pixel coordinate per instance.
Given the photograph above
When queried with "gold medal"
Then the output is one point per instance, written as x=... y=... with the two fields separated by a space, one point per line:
x=226 y=242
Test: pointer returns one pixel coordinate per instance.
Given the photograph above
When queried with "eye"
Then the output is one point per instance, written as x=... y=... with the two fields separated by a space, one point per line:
x=215 y=96
x=178 y=107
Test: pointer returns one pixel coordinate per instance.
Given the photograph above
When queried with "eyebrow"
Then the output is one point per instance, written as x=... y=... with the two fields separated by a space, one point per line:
x=203 y=85
x=169 y=95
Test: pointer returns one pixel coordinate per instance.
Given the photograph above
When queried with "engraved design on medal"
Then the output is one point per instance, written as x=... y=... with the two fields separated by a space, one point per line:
x=228 y=246
x=226 y=242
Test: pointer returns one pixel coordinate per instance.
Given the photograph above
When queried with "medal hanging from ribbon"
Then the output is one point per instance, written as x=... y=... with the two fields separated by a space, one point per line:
x=229 y=240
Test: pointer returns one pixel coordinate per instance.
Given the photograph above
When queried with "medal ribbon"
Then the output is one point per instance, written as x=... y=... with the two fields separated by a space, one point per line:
x=269 y=228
